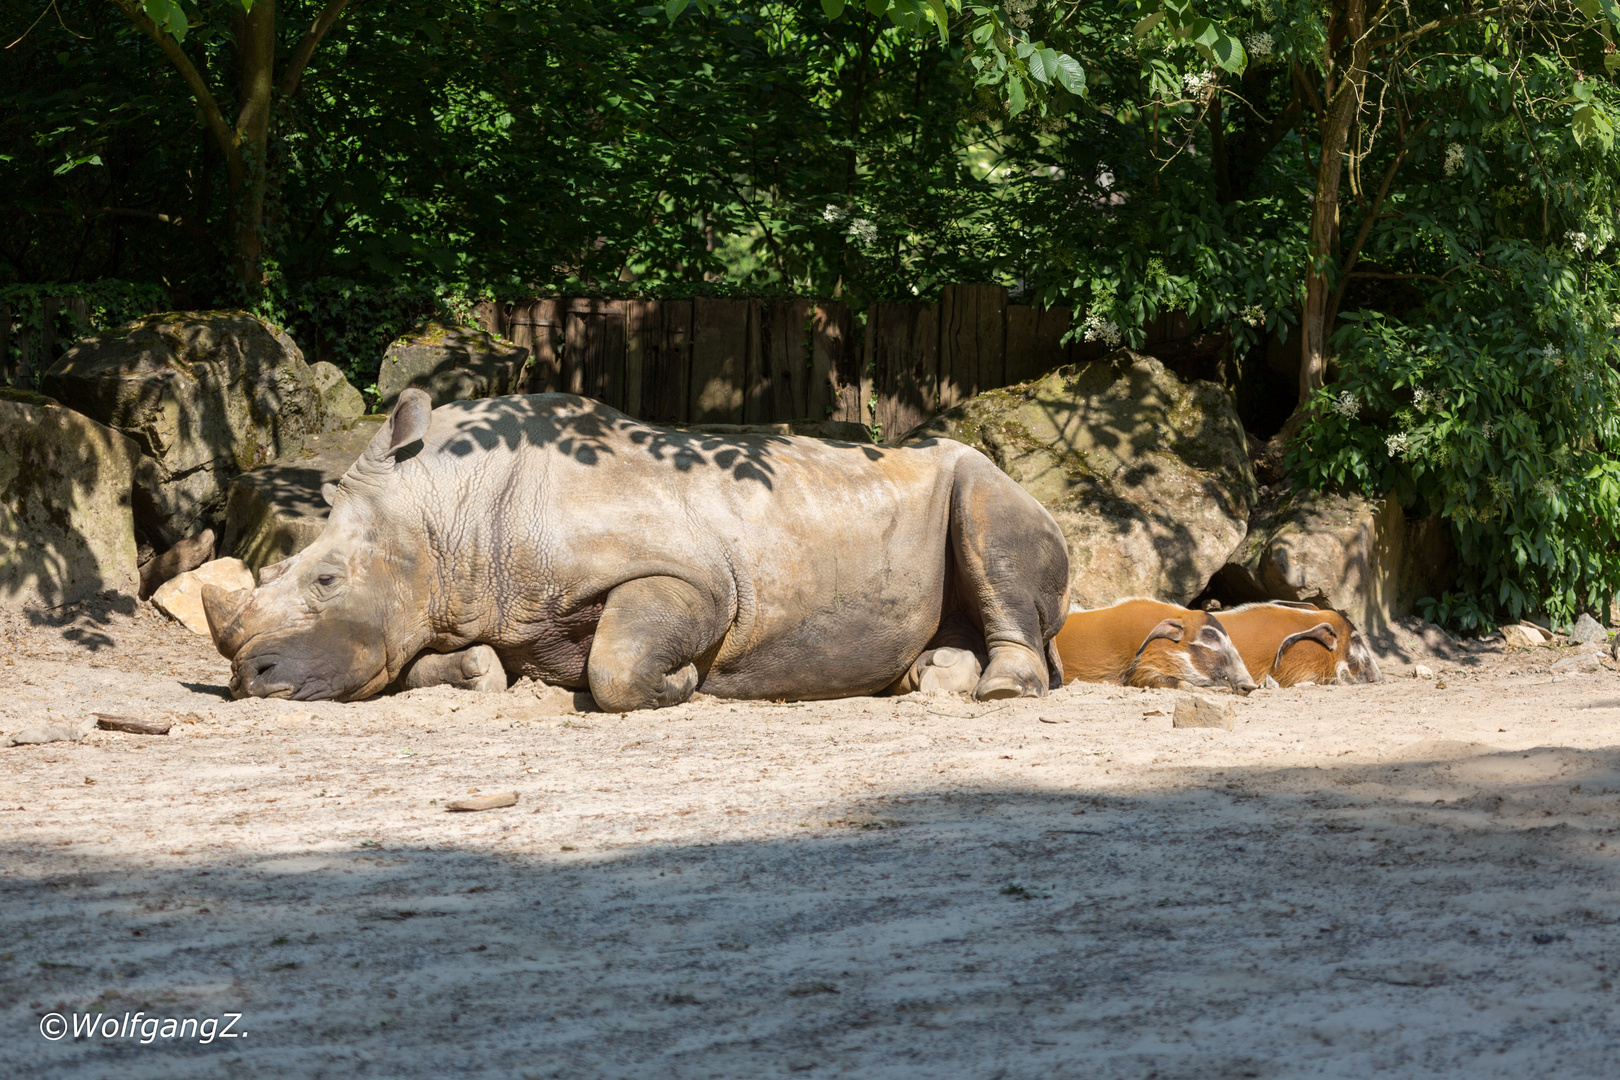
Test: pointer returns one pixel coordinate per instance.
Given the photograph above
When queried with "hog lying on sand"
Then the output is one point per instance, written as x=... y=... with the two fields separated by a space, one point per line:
x=592 y=550
x=1139 y=642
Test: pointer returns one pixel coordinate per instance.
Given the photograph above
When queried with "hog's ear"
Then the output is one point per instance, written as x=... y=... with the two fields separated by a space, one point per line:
x=408 y=424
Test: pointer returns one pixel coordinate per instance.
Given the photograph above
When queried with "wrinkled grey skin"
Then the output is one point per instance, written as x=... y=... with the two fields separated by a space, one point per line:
x=592 y=550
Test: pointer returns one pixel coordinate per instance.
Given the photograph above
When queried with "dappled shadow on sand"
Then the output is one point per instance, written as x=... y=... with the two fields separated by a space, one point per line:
x=1447 y=915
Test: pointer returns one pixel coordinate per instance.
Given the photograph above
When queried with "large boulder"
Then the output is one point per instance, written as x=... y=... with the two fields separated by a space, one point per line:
x=1358 y=556
x=276 y=510
x=67 y=532
x=1147 y=476
x=452 y=363
x=206 y=395
x=344 y=404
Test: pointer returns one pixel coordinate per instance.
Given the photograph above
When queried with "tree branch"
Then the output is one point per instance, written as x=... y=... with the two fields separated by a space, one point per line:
x=215 y=120
x=306 y=48
x=1442 y=24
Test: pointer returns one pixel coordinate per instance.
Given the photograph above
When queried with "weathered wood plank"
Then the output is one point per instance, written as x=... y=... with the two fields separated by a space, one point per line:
x=719 y=360
x=664 y=372
x=972 y=341
x=1035 y=341
x=834 y=392
x=643 y=335
x=905 y=365
x=785 y=335
x=539 y=327
x=593 y=355
x=757 y=397
x=5 y=343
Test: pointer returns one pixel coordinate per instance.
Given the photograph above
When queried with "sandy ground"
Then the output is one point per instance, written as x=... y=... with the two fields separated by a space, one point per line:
x=1414 y=879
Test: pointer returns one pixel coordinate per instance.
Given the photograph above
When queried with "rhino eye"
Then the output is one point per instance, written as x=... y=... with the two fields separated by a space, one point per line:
x=326 y=579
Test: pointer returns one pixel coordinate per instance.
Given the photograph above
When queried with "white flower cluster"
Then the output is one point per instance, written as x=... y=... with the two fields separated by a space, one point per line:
x=862 y=231
x=1018 y=11
x=1553 y=354
x=1456 y=157
x=833 y=214
x=1579 y=241
x=1423 y=400
x=1198 y=85
x=1254 y=315
x=1487 y=430
x=1259 y=45
x=1398 y=445
x=1346 y=405
x=1100 y=329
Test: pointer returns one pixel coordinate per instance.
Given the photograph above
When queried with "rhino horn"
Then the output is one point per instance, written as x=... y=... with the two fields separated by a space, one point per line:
x=224 y=611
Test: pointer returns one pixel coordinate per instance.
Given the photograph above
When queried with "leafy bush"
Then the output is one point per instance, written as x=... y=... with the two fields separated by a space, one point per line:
x=1493 y=407
x=105 y=304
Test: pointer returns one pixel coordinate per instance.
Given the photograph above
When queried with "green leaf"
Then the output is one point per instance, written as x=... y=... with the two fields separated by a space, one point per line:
x=941 y=19
x=69 y=166
x=674 y=8
x=832 y=8
x=1071 y=74
x=1612 y=10
x=1611 y=63
x=877 y=7
x=168 y=16
x=1147 y=24
x=1043 y=64
x=1015 y=96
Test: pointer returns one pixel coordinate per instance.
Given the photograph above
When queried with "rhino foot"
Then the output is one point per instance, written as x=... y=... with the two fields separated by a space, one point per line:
x=476 y=668
x=1014 y=671
x=955 y=671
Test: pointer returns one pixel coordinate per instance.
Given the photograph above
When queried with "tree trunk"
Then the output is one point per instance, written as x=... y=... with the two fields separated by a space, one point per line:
x=1339 y=117
x=256 y=55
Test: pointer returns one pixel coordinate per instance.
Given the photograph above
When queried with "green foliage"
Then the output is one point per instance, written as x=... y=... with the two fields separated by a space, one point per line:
x=101 y=305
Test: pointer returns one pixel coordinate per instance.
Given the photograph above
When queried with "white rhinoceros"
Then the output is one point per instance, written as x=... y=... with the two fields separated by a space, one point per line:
x=592 y=550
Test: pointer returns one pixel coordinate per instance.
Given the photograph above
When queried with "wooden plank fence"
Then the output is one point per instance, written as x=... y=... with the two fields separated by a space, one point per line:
x=739 y=361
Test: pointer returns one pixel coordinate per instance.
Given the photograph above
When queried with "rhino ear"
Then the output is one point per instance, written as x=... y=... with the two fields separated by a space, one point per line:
x=407 y=424
x=328 y=493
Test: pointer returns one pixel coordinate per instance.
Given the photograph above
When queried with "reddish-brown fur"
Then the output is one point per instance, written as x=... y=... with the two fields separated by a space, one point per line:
x=1259 y=629
x=1111 y=645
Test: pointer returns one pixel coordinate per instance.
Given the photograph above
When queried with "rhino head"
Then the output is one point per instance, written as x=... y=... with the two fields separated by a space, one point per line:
x=339 y=619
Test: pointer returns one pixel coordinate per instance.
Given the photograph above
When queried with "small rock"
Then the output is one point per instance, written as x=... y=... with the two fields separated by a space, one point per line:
x=181 y=597
x=1268 y=683
x=551 y=700
x=1582 y=663
x=1588 y=631
x=1201 y=712
x=1422 y=671
x=484 y=802
x=188 y=554
x=109 y=722
x=1523 y=637
x=49 y=733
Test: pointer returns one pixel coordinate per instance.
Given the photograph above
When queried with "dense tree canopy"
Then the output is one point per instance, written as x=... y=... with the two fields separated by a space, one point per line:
x=1417 y=201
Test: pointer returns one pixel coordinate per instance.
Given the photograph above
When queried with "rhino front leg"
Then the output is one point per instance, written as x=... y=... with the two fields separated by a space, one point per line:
x=474 y=668
x=651 y=632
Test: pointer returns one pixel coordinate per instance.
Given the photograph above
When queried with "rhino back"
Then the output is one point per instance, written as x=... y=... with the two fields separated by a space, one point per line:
x=820 y=553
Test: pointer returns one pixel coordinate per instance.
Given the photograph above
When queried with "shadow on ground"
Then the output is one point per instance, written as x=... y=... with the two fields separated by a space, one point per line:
x=1446 y=916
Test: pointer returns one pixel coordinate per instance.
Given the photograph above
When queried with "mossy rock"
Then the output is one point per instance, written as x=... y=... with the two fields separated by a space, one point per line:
x=452 y=363
x=1148 y=476
x=67 y=532
x=205 y=394
x=1358 y=556
x=276 y=511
